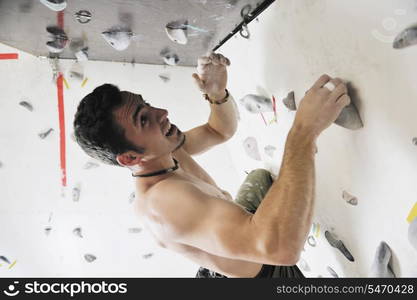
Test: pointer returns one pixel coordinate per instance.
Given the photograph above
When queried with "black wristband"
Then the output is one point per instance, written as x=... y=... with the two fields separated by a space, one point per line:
x=219 y=101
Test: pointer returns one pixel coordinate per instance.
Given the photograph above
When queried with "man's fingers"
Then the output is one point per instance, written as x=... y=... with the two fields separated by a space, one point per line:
x=321 y=81
x=343 y=100
x=224 y=60
x=198 y=81
x=203 y=60
x=338 y=92
x=215 y=59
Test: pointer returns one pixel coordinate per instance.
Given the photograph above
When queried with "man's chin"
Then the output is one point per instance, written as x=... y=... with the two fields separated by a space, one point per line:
x=181 y=136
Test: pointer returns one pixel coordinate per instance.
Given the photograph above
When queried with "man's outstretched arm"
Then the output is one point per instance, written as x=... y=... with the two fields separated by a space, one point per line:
x=285 y=214
x=276 y=233
x=222 y=123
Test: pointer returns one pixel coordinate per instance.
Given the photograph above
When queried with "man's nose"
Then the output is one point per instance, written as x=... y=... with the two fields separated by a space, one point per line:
x=162 y=113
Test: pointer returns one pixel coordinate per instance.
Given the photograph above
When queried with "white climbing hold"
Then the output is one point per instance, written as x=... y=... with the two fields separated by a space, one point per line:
x=251 y=148
x=177 y=32
x=118 y=38
x=349 y=198
x=77 y=72
x=55 y=5
x=269 y=150
x=91 y=165
x=257 y=104
x=412 y=233
x=304 y=265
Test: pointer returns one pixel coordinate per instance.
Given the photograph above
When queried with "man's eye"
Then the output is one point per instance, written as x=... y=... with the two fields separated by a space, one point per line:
x=143 y=121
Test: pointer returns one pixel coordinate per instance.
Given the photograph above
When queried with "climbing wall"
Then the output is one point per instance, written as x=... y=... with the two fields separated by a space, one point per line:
x=136 y=29
x=85 y=226
x=366 y=178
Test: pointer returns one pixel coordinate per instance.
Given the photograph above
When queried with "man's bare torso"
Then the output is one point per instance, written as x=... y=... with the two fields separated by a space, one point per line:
x=190 y=171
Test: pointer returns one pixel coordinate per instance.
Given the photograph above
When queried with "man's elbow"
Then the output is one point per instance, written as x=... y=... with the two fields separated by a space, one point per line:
x=284 y=257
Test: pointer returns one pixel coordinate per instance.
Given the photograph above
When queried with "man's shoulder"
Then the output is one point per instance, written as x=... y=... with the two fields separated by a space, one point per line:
x=172 y=193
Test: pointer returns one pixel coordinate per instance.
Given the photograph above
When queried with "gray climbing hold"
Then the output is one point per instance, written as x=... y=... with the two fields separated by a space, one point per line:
x=414 y=140
x=83 y=16
x=26 y=105
x=349 y=198
x=251 y=148
x=55 y=5
x=59 y=39
x=332 y=272
x=132 y=197
x=77 y=232
x=76 y=193
x=177 y=32
x=47 y=230
x=412 y=233
x=90 y=165
x=169 y=57
x=4 y=258
x=311 y=241
x=304 y=265
x=381 y=264
x=44 y=134
x=338 y=244
x=134 y=230
x=257 y=104
x=289 y=101
x=349 y=118
x=118 y=38
x=90 y=257
x=269 y=150
x=164 y=77
x=147 y=256
x=406 y=38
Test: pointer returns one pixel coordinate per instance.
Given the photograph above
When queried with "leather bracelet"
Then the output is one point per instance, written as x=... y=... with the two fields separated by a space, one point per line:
x=224 y=100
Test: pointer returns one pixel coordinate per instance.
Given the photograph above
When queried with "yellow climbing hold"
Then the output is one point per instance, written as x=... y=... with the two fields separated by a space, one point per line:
x=66 y=83
x=84 y=82
x=412 y=214
x=13 y=263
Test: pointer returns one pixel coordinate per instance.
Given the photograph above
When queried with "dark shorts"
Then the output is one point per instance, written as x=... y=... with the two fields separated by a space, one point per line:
x=249 y=196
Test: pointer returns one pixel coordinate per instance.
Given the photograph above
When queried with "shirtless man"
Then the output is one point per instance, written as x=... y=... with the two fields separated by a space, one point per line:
x=179 y=203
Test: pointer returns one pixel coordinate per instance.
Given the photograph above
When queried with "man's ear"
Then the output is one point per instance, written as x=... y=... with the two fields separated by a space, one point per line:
x=129 y=159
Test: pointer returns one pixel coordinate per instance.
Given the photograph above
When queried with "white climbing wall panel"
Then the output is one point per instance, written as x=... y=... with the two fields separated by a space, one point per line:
x=291 y=45
x=39 y=220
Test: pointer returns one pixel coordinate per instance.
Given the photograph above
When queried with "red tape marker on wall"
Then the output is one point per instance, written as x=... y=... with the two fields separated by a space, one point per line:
x=60 y=89
x=9 y=56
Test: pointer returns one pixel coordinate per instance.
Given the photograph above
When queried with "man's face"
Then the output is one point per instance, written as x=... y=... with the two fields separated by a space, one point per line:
x=147 y=127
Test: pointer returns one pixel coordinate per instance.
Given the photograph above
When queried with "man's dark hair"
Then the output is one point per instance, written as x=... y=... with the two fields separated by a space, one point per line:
x=95 y=128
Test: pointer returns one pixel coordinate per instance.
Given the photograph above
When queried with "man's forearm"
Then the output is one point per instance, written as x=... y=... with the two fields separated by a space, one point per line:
x=223 y=117
x=284 y=216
